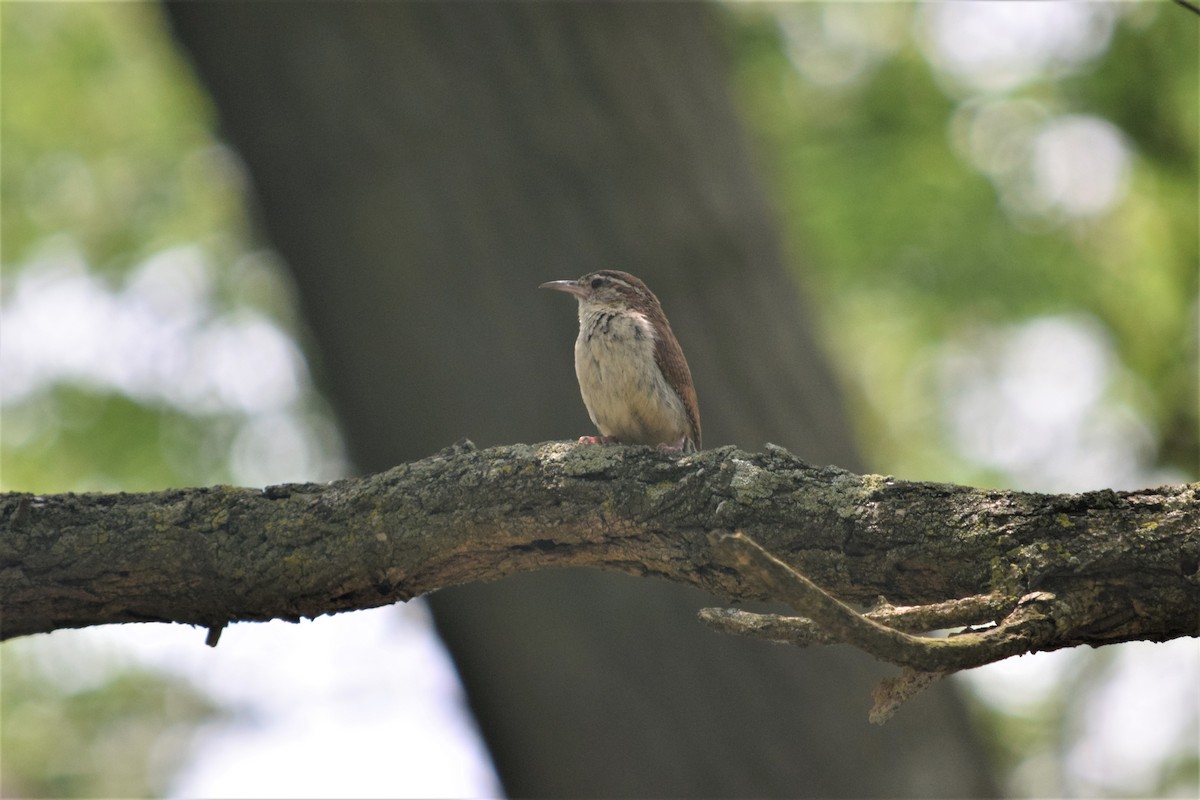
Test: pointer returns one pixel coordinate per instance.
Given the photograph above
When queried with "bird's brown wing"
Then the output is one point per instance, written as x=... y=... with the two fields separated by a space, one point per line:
x=674 y=367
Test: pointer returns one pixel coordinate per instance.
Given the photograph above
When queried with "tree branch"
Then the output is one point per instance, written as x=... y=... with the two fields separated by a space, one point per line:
x=803 y=632
x=1026 y=629
x=1043 y=571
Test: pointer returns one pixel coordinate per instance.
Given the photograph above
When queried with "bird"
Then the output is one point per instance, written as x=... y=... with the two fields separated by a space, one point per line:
x=634 y=379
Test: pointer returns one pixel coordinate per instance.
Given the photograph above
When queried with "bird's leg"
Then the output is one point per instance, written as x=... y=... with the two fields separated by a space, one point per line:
x=674 y=448
x=598 y=440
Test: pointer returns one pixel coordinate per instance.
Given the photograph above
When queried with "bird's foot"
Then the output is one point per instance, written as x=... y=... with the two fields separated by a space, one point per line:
x=674 y=448
x=597 y=440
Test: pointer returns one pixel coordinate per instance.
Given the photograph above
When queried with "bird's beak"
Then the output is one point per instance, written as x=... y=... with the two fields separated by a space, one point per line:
x=571 y=287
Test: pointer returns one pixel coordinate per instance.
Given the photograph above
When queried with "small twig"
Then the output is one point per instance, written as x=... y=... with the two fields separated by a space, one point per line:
x=796 y=631
x=892 y=693
x=1029 y=625
x=214 y=634
x=785 y=584
x=974 y=610
x=803 y=632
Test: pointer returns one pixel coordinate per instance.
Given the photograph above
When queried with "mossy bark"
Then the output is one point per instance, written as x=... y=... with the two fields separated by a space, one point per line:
x=1121 y=565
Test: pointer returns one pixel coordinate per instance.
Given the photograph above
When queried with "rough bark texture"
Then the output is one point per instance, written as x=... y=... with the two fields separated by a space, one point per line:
x=1121 y=565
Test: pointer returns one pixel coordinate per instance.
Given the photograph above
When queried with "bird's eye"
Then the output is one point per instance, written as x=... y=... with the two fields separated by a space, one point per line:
x=597 y=283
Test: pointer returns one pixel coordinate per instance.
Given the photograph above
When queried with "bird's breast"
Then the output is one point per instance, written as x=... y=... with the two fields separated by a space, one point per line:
x=625 y=392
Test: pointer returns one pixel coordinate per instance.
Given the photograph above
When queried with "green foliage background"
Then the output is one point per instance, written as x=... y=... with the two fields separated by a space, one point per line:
x=905 y=245
x=109 y=151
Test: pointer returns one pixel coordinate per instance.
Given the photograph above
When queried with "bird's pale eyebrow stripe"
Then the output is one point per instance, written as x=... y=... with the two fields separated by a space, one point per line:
x=615 y=279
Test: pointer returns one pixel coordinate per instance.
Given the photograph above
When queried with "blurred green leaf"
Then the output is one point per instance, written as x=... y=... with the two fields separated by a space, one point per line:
x=906 y=245
x=120 y=734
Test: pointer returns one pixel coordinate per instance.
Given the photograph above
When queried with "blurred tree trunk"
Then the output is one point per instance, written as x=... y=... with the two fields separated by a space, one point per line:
x=422 y=167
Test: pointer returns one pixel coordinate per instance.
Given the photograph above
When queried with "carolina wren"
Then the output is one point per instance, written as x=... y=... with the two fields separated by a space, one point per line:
x=632 y=374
